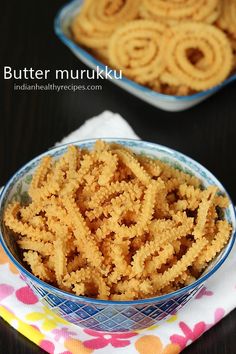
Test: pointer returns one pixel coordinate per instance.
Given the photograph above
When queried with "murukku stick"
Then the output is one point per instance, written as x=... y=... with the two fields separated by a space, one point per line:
x=213 y=248
x=162 y=234
x=39 y=176
x=23 y=228
x=43 y=248
x=38 y=268
x=204 y=206
x=157 y=261
x=162 y=280
x=85 y=242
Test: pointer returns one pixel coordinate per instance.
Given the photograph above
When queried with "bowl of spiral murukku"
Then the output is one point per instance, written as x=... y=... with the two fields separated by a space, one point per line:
x=172 y=54
x=115 y=234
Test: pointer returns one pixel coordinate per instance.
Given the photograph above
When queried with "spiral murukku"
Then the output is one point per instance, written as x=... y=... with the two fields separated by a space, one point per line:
x=172 y=12
x=215 y=64
x=137 y=48
x=227 y=18
x=139 y=37
x=98 y=19
x=111 y=224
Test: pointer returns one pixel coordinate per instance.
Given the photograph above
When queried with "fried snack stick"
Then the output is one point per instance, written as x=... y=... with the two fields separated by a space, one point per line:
x=168 y=171
x=85 y=242
x=190 y=195
x=145 y=215
x=132 y=289
x=211 y=250
x=76 y=263
x=60 y=248
x=203 y=209
x=27 y=231
x=43 y=248
x=137 y=48
x=39 y=177
x=110 y=164
x=122 y=267
x=106 y=192
x=54 y=182
x=39 y=269
x=78 y=278
x=132 y=163
x=31 y=210
x=162 y=280
x=217 y=59
x=82 y=278
x=163 y=234
x=157 y=261
x=150 y=166
x=72 y=157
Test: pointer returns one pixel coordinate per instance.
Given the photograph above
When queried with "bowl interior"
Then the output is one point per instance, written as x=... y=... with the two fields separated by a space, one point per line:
x=17 y=187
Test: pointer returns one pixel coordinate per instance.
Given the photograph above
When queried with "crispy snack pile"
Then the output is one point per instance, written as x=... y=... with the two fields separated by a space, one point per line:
x=173 y=47
x=110 y=224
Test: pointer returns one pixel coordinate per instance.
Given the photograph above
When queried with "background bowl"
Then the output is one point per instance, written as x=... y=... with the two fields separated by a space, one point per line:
x=166 y=102
x=103 y=315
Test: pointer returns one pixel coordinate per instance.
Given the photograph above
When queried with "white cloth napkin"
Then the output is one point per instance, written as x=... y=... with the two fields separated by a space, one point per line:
x=106 y=125
x=22 y=310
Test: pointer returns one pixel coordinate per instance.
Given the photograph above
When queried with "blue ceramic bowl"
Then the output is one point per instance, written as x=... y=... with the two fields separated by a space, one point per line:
x=103 y=315
x=165 y=102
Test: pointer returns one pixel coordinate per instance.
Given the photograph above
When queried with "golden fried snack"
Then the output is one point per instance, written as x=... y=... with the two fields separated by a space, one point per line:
x=227 y=19
x=173 y=11
x=137 y=48
x=233 y=46
x=98 y=19
x=111 y=224
x=132 y=36
x=215 y=62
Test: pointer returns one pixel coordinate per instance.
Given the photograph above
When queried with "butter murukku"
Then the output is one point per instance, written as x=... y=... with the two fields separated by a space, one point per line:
x=215 y=64
x=137 y=48
x=227 y=19
x=142 y=39
x=98 y=19
x=210 y=251
x=37 y=266
x=181 y=266
x=111 y=224
x=175 y=11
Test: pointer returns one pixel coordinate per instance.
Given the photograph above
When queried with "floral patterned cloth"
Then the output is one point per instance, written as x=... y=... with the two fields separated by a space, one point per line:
x=22 y=310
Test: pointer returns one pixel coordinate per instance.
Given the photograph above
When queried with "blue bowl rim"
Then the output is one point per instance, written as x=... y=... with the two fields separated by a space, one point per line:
x=72 y=297
x=143 y=89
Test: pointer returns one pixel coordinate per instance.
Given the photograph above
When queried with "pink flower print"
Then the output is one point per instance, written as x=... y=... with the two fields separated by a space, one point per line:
x=203 y=292
x=62 y=333
x=189 y=335
x=26 y=296
x=47 y=346
x=5 y=291
x=219 y=314
x=102 y=339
